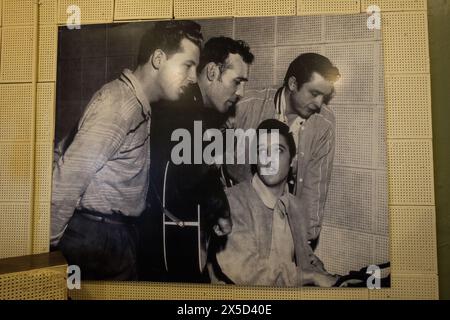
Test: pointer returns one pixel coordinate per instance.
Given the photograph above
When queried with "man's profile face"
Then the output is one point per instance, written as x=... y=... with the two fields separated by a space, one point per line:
x=227 y=88
x=274 y=159
x=179 y=70
x=312 y=95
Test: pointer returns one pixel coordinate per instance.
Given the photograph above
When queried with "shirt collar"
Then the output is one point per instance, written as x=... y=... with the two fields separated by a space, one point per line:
x=129 y=78
x=280 y=105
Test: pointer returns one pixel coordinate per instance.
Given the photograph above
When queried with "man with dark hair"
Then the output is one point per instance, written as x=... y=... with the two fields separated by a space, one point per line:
x=102 y=174
x=222 y=72
x=301 y=103
x=268 y=244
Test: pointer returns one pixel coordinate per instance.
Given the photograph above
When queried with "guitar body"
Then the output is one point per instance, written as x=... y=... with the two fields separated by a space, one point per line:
x=185 y=242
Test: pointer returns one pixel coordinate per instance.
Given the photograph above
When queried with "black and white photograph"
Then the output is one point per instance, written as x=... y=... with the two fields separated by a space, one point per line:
x=246 y=151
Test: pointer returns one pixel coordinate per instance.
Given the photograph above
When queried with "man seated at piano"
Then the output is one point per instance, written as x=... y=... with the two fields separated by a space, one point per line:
x=268 y=243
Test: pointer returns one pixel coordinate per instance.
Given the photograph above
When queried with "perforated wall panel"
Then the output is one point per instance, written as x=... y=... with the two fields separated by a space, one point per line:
x=45 y=113
x=48 y=11
x=256 y=31
x=358 y=64
x=15 y=112
x=308 y=7
x=264 y=8
x=414 y=246
x=16 y=57
x=409 y=287
x=41 y=228
x=41 y=284
x=17 y=12
x=350 y=207
x=217 y=28
x=399 y=5
x=408 y=101
x=48 y=37
x=203 y=8
x=410 y=172
x=91 y=11
x=406 y=51
x=15 y=164
x=354 y=252
x=14 y=221
x=142 y=9
x=348 y=29
x=306 y=30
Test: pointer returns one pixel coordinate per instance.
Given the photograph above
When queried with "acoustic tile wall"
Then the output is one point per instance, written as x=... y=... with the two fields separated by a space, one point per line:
x=410 y=178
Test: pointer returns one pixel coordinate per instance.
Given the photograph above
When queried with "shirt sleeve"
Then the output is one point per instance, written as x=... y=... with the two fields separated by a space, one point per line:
x=316 y=181
x=101 y=132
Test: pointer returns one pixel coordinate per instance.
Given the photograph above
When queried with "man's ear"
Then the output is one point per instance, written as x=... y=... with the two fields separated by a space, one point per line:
x=157 y=58
x=212 y=71
x=292 y=83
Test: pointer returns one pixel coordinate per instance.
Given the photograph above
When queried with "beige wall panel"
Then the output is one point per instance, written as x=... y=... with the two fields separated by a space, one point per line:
x=48 y=12
x=48 y=49
x=309 y=7
x=334 y=294
x=41 y=284
x=41 y=228
x=92 y=11
x=413 y=245
x=409 y=287
x=248 y=8
x=405 y=41
x=17 y=12
x=408 y=105
x=45 y=113
x=16 y=55
x=142 y=290
x=142 y=9
x=15 y=112
x=43 y=172
x=410 y=168
x=14 y=225
x=349 y=29
x=397 y=5
x=20 y=12
x=203 y=8
x=117 y=290
x=15 y=175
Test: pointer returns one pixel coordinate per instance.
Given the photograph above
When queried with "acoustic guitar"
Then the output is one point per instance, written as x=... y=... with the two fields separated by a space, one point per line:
x=185 y=241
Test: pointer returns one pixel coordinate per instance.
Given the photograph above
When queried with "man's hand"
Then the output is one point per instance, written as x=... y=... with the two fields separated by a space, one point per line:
x=223 y=227
x=319 y=279
x=325 y=280
x=351 y=282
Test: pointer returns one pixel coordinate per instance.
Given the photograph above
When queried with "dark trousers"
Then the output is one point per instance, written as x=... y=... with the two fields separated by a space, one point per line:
x=104 y=250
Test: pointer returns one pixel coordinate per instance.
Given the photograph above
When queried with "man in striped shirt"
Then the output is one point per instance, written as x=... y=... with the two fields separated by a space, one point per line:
x=302 y=104
x=101 y=179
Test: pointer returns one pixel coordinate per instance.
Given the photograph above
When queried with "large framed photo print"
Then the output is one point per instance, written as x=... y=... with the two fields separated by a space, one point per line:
x=236 y=151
